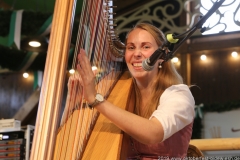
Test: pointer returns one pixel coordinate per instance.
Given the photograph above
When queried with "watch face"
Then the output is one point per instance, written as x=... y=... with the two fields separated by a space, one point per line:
x=99 y=97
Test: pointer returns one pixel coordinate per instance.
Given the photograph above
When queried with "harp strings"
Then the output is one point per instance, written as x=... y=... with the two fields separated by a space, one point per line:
x=78 y=120
x=74 y=100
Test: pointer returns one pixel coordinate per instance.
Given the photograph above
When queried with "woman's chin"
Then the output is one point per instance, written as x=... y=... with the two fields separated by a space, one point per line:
x=137 y=75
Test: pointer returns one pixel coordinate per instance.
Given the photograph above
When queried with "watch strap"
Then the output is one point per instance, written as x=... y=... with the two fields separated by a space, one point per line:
x=91 y=105
x=96 y=101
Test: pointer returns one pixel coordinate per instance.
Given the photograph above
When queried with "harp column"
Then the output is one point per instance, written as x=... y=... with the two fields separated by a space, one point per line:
x=53 y=81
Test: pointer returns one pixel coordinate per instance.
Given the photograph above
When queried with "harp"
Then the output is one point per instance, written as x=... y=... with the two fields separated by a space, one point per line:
x=83 y=133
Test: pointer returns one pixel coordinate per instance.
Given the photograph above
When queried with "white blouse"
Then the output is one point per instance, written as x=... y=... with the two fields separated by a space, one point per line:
x=175 y=110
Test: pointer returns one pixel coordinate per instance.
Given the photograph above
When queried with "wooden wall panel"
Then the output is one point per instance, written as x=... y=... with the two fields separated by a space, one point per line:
x=14 y=91
x=218 y=79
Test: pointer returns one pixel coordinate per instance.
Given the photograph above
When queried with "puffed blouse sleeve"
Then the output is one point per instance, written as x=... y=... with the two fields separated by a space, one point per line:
x=175 y=109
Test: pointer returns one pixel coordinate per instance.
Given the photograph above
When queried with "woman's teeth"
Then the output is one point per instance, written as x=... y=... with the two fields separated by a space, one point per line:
x=137 y=64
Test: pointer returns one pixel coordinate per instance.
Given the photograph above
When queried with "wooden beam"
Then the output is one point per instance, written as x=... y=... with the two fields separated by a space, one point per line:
x=214 y=45
x=188 y=69
x=216 y=144
x=211 y=42
x=27 y=108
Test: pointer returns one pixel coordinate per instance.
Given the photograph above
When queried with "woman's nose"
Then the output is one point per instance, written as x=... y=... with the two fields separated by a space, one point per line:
x=138 y=53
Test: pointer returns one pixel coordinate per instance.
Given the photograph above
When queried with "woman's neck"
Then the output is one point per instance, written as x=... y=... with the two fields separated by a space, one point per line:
x=144 y=85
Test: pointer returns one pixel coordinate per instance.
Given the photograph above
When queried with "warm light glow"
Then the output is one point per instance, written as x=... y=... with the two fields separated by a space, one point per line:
x=234 y=54
x=25 y=75
x=71 y=71
x=175 y=60
x=94 y=68
x=34 y=44
x=203 y=57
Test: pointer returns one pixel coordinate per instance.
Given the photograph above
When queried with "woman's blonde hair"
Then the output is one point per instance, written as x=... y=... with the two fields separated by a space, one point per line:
x=167 y=75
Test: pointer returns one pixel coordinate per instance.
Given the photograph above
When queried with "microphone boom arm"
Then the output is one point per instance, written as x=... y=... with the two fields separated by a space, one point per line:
x=164 y=53
x=188 y=33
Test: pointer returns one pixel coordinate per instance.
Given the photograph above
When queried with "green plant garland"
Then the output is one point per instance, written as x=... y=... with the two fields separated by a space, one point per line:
x=221 y=107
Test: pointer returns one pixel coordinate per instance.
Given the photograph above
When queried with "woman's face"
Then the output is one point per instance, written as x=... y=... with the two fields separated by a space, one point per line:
x=140 y=45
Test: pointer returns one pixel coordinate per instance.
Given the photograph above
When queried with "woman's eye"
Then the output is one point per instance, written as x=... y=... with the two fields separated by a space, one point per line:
x=130 y=47
x=146 y=47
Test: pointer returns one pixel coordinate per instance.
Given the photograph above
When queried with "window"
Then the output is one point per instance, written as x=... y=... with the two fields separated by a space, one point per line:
x=225 y=19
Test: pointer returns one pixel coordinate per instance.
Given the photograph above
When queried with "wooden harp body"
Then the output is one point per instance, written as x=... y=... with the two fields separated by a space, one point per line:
x=82 y=133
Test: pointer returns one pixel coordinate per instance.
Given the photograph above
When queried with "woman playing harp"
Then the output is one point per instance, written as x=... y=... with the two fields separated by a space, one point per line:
x=163 y=111
x=161 y=125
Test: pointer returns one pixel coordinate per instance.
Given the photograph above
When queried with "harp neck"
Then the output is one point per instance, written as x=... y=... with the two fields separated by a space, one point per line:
x=53 y=81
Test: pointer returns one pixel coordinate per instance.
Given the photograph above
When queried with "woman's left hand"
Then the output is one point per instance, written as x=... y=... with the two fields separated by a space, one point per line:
x=88 y=78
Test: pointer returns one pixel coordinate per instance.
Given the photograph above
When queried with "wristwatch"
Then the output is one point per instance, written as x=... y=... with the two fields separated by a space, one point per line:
x=98 y=99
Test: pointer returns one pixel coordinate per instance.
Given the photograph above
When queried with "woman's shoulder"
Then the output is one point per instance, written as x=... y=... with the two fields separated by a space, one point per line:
x=178 y=87
x=177 y=90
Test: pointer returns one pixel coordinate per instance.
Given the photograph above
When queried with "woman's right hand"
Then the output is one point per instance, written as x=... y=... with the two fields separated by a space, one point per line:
x=88 y=77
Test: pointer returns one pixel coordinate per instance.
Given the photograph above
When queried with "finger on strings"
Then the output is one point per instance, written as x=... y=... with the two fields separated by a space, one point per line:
x=79 y=69
x=83 y=61
x=84 y=64
x=82 y=58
